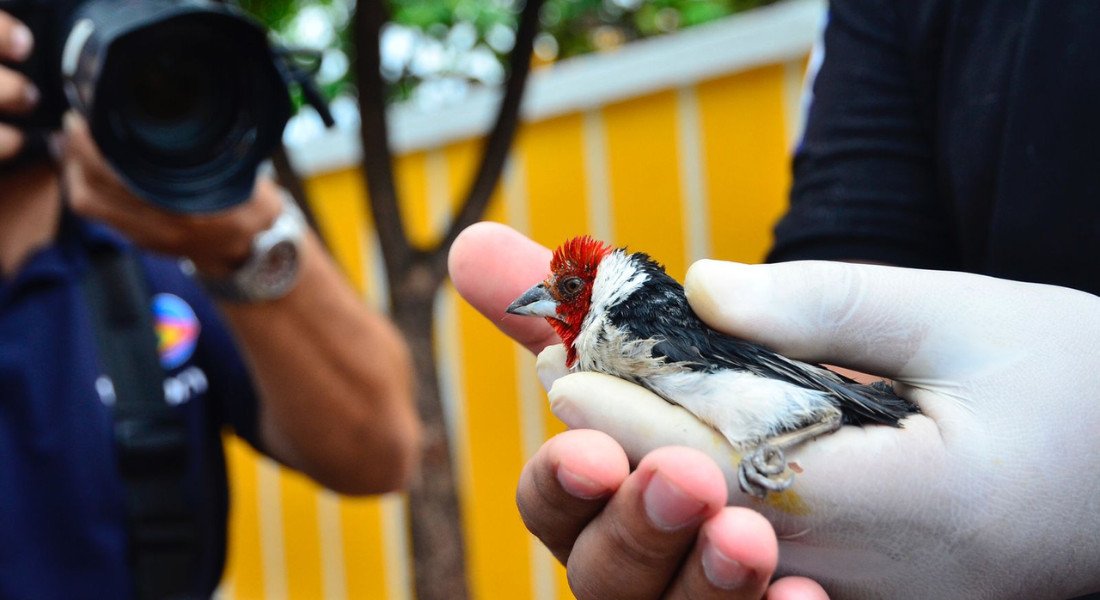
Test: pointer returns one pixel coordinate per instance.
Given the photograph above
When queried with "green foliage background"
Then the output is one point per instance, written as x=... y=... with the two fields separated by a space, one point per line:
x=570 y=27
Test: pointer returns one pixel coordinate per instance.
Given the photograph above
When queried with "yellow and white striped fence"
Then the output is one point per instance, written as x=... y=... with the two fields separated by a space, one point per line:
x=676 y=145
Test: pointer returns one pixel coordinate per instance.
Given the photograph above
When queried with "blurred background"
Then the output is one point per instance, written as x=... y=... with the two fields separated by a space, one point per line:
x=665 y=125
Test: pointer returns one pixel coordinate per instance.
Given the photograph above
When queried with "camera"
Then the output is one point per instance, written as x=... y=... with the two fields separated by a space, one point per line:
x=185 y=98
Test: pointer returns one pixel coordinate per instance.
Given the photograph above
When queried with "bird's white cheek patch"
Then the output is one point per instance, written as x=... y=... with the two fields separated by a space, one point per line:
x=617 y=278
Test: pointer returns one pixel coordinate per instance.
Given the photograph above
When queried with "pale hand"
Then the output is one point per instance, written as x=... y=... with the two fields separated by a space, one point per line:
x=992 y=492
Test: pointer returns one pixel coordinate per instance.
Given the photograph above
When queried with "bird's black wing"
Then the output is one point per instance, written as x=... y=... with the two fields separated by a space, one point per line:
x=660 y=311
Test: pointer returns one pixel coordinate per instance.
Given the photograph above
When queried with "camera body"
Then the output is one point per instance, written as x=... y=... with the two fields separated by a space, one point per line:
x=185 y=98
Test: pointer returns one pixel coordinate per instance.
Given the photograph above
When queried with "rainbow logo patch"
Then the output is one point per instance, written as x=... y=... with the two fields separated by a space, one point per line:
x=177 y=330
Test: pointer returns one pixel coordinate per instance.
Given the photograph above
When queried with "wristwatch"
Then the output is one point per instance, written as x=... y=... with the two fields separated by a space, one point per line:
x=272 y=267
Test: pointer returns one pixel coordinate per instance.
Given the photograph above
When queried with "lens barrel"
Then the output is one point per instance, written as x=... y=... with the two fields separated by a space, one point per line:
x=184 y=98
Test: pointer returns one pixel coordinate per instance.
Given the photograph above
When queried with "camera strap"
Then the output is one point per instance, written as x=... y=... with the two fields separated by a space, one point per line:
x=150 y=437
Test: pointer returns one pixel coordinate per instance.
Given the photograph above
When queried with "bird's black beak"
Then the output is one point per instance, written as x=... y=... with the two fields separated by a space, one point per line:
x=535 y=302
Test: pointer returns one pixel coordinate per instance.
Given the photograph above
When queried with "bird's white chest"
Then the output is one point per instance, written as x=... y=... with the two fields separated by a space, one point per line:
x=744 y=407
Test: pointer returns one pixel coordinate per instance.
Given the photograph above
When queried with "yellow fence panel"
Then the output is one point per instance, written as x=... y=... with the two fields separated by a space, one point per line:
x=747 y=157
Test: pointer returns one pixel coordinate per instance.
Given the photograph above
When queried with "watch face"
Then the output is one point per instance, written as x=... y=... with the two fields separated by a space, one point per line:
x=278 y=268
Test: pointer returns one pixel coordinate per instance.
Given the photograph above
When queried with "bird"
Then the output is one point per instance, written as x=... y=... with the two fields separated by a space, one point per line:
x=618 y=312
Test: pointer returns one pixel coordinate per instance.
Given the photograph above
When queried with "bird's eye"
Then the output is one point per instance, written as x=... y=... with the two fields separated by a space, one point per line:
x=572 y=285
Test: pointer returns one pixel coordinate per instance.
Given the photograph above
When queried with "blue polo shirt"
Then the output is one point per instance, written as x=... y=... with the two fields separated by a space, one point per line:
x=62 y=516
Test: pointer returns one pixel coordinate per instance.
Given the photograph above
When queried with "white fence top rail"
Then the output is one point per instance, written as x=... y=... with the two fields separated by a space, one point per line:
x=769 y=35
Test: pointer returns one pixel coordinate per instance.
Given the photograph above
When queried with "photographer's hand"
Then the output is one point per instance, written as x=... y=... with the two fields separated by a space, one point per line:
x=216 y=242
x=17 y=95
x=334 y=379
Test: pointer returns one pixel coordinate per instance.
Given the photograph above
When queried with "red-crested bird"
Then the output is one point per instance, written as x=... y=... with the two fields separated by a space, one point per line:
x=619 y=313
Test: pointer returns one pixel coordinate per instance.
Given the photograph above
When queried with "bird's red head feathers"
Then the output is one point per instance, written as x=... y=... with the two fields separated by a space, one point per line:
x=572 y=274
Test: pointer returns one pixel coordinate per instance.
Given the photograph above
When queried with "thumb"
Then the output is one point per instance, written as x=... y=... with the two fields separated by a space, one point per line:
x=908 y=324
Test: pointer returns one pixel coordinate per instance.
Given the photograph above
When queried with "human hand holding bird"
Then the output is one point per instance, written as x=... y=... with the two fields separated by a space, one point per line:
x=991 y=492
x=618 y=312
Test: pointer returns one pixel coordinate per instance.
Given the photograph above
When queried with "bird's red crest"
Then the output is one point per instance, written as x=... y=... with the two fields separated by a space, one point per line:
x=579 y=259
x=582 y=253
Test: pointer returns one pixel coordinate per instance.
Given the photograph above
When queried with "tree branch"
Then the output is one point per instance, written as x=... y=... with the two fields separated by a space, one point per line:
x=499 y=142
x=377 y=166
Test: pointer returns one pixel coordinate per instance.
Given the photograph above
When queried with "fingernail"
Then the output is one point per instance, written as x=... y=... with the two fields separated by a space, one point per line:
x=668 y=506
x=723 y=571
x=21 y=42
x=31 y=95
x=580 y=487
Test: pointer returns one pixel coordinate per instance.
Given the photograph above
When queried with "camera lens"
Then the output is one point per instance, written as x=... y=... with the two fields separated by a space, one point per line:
x=177 y=103
x=184 y=98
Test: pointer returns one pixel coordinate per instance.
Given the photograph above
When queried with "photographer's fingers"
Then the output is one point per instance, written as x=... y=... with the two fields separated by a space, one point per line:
x=81 y=150
x=16 y=40
x=92 y=188
x=635 y=547
x=18 y=96
x=11 y=142
x=491 y=265
x=566 y=484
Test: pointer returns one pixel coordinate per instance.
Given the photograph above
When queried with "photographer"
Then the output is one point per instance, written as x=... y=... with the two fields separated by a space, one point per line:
x=310 y=378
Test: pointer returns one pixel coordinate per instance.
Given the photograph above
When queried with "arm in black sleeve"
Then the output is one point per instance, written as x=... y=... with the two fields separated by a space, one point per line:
x=864 y=180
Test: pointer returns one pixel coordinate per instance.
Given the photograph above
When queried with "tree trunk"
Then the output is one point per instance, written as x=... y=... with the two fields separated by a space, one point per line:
x=415 y=275
x=436 y=524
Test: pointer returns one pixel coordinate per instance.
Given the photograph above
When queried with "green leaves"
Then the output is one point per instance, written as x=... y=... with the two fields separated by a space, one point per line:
x=443 y=44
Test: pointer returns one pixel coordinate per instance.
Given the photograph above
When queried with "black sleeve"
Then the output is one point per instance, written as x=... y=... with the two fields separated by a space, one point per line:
x=864 y=179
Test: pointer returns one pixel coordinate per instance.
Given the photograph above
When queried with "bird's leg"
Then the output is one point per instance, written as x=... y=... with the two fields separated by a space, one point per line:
x=763 y=468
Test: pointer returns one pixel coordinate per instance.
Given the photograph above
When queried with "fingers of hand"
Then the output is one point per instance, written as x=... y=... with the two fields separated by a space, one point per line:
x=491 y=265
x=635 y=546
x=635 y=417
x=814 y=311
x=18 y=96
x=11 y=142
x=16 y=41
x=80 y=148
x=890 y=322
x=551 y=365
x=795 y=588
x=566 y=484
x=215 y=241
x=854 y=467
x=93 y=189
x=733 y=559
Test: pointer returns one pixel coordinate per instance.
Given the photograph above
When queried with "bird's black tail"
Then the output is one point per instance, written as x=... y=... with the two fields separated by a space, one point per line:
x=874 y=403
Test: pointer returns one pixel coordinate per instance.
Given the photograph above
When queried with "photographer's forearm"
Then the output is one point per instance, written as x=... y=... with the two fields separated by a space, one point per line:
x=335 y=381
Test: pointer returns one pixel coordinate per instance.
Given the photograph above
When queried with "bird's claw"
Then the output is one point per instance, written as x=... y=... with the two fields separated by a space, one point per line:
x=762 y=470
